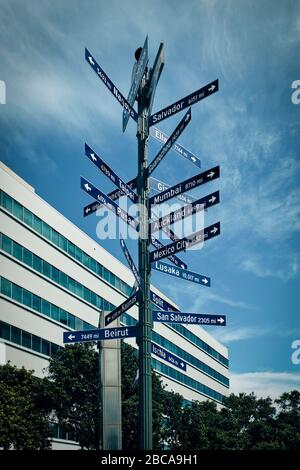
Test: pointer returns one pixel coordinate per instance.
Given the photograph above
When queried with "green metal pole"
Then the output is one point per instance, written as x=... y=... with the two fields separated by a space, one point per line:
x=145 y=312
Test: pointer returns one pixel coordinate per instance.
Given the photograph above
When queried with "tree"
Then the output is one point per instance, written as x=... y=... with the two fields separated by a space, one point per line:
x=25 y=408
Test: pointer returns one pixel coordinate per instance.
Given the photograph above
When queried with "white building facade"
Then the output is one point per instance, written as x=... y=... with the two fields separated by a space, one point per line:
x=55 y=278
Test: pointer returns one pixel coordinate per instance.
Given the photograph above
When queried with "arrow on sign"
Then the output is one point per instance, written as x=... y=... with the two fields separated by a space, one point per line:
x=71 y=337
x=109 y=173
x=87 y=187
x=110 y=85
x=109 y=203
x=183 y=152
x=186 y=185
x=171 y=140
x=193 y=98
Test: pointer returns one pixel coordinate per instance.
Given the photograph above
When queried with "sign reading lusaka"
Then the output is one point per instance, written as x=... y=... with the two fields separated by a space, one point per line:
x=181 y=273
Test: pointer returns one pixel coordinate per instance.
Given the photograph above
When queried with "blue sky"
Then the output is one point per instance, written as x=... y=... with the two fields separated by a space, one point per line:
x=56 y=103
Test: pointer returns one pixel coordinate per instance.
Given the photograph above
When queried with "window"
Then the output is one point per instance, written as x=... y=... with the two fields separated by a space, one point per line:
x=36 y=343
x=17 y=210
x=93 y=265
x=46 y=308
x=86 y=260
x=46 y=269
x=28 y=217
x=6 y=244
x=86 y=294
x=63 y=243
x=7 y=202
x=46 y=230
x=99 y=269
x=55 y=275
x=37 y=224
x=54 y=312
x=55 y=237
x=54 y=349
x=27 y=298
x=5 y=287
x=63 y=317
x=27 y=257
x=78 y=254
x=78 y=324
x=45 y=347
x=71 y=284
x=26 y=339
x=17 y=251
x=17 y=293
x=37 y=263
x=112 y=279
x=4 y=330
x=71 y=321
x=78 y=289
x=106 y=274
x=36 y=303
x=15 y=335
x=71 y=249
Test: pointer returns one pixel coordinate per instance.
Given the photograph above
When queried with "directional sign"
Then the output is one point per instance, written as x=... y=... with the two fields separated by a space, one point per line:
x=99 y=334
x=157 y=244
x=130 y=262
x=110 y=317
x=167 y=356
x=155 y=74
x=185 y=211
x=193 y=98
x=171 y=140
x=186 y=242
x=191 y=183
x=109 y=173
x=114 y=195
x=110 y=85
x=136 y=80
x=181 y=273
x=161 y=303
x=159 y=186
x=109 y=203
x=159 y=135
x=189 y=318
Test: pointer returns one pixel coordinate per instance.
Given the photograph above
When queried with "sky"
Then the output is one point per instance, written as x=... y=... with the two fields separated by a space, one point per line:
x=55 y=103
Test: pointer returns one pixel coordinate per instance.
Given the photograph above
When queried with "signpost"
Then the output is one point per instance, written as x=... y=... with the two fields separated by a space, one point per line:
x=99 y=334
x=143 y=89
x=167 y=356
x=183 y=152
x=181 y=273
x=189 y=318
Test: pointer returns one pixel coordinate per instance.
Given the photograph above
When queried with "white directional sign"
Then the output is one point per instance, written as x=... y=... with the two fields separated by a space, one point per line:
x=110 y=85
x=190 y=183
x=155 y=74
x=181 y=273
x=90 y=189
x=110 y=174
x=183 y=152
x=186 y=242
x=171 y=140
x=193 y=98
x=136 y=80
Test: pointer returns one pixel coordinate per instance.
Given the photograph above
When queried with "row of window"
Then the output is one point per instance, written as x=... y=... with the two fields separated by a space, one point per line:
x=41 y=266
x=27 y=298
x=42 y=228
x=186 y=380
x=28 y=340
x=165 y=343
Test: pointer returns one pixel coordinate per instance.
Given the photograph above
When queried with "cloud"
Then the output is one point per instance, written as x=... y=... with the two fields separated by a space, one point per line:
x=239 y=334
x=284 y=267
x=264 y=384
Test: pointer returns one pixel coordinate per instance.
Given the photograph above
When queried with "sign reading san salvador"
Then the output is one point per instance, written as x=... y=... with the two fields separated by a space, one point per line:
x=193 y=98
x=181 y=273
x=110 y=85
x=189 y=318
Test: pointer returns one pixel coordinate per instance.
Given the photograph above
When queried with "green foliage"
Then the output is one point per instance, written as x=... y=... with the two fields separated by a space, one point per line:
x=25 y=407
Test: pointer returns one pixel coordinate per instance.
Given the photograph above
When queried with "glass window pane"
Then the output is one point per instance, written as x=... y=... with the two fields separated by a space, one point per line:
x=17 y=210
x=93 y=298
x=27 y=298
x=63 y=243
x=27 y=217
x=46 y=308
x=5 y=287
x=71 y=249
x=6 y=244
x=26 y=339
x=36 y=343
x=45 y=347
x=15 y=335
x=71 y=321
x=71 y=284
x=86 y=294
x=78 y=254
x=78 y=324
x=54 y=312
x=99 y=301
x=93 y=265
x=78 y=289
x=4 y=330
x=55 y=237
x=17 y=293
x=86 y=260
x=46 y=230
x=37 y=263
x=17 y=251
x=7 y=202
x=55 y=274
x=36 y=303
x=54 y=348
x=27 y=257
x=63 y=316
x=46 y=269
x=106 y=274
x=37 y=224
x=99 y=269
x=63 y=279
x=112 y=279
